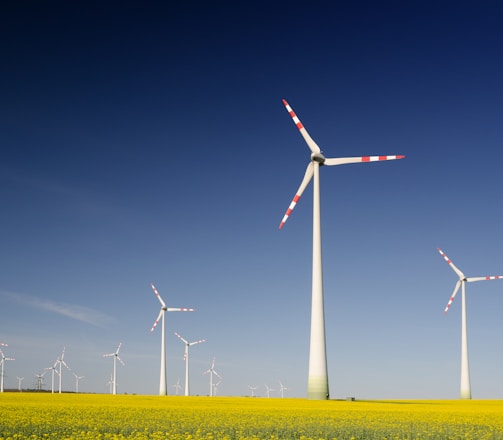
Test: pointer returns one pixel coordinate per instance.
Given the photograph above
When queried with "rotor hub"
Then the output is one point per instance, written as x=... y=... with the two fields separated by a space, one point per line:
x=318 y=157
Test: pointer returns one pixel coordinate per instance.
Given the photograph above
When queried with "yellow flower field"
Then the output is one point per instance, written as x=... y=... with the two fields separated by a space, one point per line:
x=95 y=416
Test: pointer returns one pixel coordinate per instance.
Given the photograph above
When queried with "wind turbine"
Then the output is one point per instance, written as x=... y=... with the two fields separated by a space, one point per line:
x=268 y=390
x=2 y=361
x=282 y=389
x=162 y=382
x=77 y=378
x=54 y=370
x=212 y=372
x=465 y=392
x=186 y=358
x=177 y=386
x=40 y=379
x=116 y=357
x=110 y=383
x=215 y=387
x=252 y=390
x=19 y=380
x=318 y=376
x=61 y=362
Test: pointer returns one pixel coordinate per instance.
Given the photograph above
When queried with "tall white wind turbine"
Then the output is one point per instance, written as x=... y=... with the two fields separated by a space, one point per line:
x=53 y=370
x=212 y=372
x=62 y=362
x=3 y=358
x=116 y=357
x=317 y=387
x=163 y=391
x=186 y=358
x=465 y=392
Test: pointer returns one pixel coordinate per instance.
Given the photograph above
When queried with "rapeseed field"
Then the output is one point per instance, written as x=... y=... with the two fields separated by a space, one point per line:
x=94 y=416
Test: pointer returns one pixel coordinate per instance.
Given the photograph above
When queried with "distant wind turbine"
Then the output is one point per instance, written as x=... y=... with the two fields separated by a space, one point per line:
x=40 y=381
x=116 y=357
x=465 y=391
x=252 y=390
x=77 y=378
x=61 y=362
x=318 y=375
x=215 y=387
x=3 y=358
x=268 y=390
x=162 y=382
x=282 y=389
x=20 y=379
x=212 y=372
x=54 y=370
x=110 y=383
x=186 y=358
x=177 y=386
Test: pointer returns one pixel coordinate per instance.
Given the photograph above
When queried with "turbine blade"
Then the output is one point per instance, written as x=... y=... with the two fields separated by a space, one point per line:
x=120 y=360
x=179 y=309
x=197 y=342
x=309 y=140
x=494 y=277
x=158 y=296
x=118 y=348
x=179 y=337
x=451 y=299
x=307 y=178
x=344 y=160
x=67 y=367
x=460 y=274
x=156 y=321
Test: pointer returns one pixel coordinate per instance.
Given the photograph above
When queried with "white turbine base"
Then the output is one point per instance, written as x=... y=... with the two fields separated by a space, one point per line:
x=466 y=394
x=317 y=388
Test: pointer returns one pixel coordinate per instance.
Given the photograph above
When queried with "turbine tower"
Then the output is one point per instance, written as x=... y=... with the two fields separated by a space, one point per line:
x=186 y=359
x=163 y=391
x=317 y=387
x=212 y=372
x=2 y=361
x=465 y=392
x=116 y=357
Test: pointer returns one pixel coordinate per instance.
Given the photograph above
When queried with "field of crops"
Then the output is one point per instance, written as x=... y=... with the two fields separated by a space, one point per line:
x=88 y=416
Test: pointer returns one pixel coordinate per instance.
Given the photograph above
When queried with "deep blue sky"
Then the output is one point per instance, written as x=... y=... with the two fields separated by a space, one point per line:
x=148 y=143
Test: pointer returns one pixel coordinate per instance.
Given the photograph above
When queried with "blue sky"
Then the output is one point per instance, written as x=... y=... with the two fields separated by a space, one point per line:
x=149 y=144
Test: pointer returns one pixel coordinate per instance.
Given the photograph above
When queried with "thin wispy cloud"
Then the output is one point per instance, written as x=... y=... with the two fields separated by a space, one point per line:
x=72 y=311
